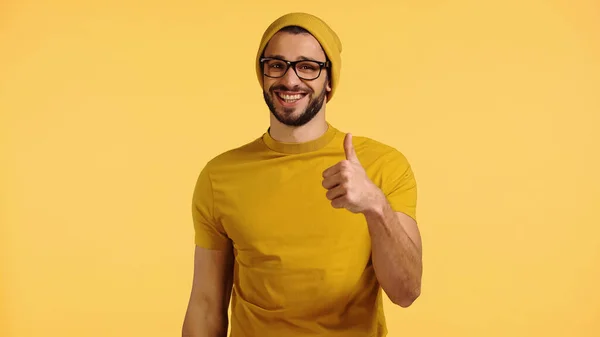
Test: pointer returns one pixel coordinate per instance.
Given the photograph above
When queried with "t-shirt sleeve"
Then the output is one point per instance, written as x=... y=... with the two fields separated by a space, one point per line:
x=209 y=232
x=399 y=184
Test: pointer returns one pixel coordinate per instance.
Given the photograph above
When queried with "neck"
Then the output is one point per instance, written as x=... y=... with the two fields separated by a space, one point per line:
x=298 y=134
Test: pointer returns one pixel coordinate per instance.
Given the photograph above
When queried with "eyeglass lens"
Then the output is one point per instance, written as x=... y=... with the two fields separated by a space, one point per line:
x=305 y=69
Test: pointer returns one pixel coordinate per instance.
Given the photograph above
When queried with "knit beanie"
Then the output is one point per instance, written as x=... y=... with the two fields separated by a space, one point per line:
x=328 y=39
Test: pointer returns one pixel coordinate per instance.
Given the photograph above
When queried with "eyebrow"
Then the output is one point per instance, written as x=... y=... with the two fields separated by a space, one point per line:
x=300 y=58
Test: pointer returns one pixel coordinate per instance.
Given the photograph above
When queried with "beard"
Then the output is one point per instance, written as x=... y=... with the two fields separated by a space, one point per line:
x=285 y=117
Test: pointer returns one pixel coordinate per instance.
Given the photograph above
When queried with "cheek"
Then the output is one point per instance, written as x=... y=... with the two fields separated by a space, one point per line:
x=315 y=87
x=323 y=86
x=267 y=84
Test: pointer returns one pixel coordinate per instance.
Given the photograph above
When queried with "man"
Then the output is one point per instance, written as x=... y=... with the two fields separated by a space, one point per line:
x=308 y=224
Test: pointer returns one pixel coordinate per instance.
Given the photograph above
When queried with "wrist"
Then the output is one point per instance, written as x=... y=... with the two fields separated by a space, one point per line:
x=376 y=207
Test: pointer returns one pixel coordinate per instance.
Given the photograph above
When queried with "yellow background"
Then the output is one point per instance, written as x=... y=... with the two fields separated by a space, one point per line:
x=110 y=109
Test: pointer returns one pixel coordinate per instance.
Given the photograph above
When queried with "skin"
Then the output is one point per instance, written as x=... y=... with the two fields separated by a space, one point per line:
x=395 y=237
x=206 y=314
x=283 y=121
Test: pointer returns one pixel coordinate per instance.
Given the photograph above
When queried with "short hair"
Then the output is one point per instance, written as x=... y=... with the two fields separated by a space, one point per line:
x=294 y=30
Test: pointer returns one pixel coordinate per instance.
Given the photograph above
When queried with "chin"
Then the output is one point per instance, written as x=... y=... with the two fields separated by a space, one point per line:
x=294 y=116
x=289 y=120
x=295 y=111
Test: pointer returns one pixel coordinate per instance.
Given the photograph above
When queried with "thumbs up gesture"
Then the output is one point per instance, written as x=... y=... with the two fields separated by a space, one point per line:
x=348 y=185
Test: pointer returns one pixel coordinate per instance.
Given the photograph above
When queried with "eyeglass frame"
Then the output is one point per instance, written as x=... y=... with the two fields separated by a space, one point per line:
x=292 y=64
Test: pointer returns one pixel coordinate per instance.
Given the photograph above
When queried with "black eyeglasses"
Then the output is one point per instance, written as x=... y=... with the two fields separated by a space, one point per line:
x=304 y=69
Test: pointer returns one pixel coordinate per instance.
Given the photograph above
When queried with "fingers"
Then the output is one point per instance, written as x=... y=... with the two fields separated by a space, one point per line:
x=343 y=165
x=338 y=178
x=335 y=169
x=336 y=192
x=349 y=149
x=339 y=202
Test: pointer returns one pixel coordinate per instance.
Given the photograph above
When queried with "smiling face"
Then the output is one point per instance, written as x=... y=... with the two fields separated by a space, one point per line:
x=293 y=100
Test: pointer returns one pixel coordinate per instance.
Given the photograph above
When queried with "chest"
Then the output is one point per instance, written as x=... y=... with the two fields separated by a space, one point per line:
x=282 y=216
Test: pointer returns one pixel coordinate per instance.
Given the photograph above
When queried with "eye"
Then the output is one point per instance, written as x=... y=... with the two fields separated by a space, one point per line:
x=308 y=66
x=276 y=64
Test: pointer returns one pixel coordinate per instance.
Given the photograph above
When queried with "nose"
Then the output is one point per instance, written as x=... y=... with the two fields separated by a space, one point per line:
x=290 y=78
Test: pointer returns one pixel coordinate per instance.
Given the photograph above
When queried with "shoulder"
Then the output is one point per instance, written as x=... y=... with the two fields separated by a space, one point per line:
x=234 y=156
x=373 y=150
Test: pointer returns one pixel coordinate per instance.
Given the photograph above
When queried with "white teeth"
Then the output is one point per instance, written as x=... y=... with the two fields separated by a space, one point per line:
x=290 y=98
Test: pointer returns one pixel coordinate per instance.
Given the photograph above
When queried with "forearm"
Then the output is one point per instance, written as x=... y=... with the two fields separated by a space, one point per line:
x=200 y=321
x=396 y=258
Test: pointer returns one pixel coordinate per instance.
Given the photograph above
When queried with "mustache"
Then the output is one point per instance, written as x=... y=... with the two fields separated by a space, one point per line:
x=285 y=88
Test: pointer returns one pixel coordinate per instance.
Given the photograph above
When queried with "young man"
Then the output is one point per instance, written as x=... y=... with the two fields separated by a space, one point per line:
x=308 y=224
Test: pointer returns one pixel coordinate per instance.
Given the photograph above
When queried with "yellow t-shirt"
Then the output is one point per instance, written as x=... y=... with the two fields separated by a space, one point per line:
x=302 y=267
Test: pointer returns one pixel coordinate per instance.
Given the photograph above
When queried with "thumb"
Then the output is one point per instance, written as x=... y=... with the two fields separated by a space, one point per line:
x=349 y=149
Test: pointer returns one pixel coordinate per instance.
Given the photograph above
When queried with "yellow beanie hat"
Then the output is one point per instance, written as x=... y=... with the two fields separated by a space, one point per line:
x=328 y=39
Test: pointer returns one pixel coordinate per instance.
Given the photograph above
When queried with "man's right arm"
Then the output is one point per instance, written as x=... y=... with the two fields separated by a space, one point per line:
x=206 y=314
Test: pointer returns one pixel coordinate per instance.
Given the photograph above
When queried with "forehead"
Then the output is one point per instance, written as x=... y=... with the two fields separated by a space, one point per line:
x=294 y=47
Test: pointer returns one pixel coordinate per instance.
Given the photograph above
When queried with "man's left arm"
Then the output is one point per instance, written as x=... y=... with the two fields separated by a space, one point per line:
x=396 y=251
x=390 y=217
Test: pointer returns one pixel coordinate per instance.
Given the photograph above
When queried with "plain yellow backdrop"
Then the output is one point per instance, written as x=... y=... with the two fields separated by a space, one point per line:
x=109 y=110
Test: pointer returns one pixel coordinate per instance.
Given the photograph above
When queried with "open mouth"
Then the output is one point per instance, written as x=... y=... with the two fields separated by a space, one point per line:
x=289 y=99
